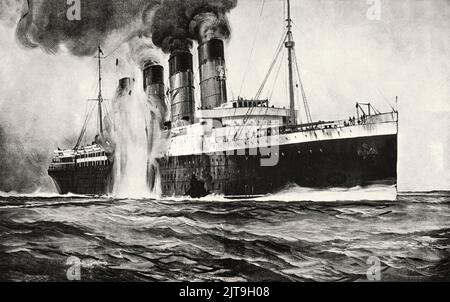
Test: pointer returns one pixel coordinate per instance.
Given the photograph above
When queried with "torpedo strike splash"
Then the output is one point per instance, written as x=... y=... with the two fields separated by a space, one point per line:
x=130 y=141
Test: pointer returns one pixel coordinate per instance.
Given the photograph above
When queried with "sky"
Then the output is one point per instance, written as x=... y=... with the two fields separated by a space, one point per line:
x=345 y=52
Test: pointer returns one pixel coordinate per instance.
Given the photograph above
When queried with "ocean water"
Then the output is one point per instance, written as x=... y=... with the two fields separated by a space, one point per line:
x=295 y=235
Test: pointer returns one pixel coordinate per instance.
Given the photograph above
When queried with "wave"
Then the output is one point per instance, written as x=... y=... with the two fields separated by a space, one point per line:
x=134 y=196
x=425 y=193
x=211 y=197
x=290 y=193
x=39 y=203
x=294 y=193
x=43 y=194
x=40 y=194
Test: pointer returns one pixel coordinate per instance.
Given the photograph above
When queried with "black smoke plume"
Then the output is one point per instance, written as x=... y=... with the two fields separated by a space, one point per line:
x=45 y=24
x=176 y=23
x=171 y=24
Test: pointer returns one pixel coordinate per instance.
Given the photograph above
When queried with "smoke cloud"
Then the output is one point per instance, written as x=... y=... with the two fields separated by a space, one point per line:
x=177 y=23
x=13 y=154
x=172 y=24
x=41 y=108
x=45 y=24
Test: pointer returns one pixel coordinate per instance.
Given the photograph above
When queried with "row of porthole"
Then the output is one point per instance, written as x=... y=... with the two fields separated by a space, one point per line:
x=89 y=155
x=186 y=177
x=185 y=186
x=167 y=163
x=93 y=163
x=225 y=160
x=215 y=172
x=306 y=136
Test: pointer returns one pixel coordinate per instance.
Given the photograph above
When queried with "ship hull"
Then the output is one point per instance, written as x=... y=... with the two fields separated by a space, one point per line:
x=83 y=180
x=345 y=162
x=321 y=164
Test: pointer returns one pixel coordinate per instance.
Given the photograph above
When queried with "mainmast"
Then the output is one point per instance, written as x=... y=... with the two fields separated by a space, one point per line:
x=100 y=97
x=289 y=44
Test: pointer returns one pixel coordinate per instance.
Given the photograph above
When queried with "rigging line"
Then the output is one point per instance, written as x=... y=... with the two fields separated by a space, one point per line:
x=285 y=83
x=252 y=108
x=86 y=110
x=86 y=120
x=108 y=109
x=107 y=116
x=305 y=100
x=108 y=106
x=299 y=29
x=299 y=113
x=384 y=98
x=375 y=109
x=253 y=46
x=274 y=60
x=271 y=85
x=272 y=65
x=280 y=48
x=276 y=76
x=94 y=87
x=114 y=50
x=86 y=113
x=83 y=129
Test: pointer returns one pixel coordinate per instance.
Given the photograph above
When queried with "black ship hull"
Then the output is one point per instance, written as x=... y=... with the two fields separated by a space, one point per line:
x=83 y=180
x=333 y=163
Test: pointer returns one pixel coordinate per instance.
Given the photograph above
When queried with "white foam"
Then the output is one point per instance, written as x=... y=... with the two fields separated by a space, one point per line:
x=39 y=194
x=295 y=193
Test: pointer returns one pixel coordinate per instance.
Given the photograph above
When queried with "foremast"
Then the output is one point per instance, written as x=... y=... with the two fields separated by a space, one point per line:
x=100 y=56
x=100 y=97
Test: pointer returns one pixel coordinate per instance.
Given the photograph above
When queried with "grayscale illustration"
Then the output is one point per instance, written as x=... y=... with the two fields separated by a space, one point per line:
x=224 y=140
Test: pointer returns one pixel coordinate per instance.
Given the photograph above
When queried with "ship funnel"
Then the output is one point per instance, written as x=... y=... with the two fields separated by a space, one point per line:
x=181 y=87
x=154 y=87
x=211 y=58
x=153 y=74
x=125 y=84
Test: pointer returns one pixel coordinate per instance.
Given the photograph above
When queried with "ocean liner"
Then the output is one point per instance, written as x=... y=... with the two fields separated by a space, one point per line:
x=242 y=147
x=86 y=169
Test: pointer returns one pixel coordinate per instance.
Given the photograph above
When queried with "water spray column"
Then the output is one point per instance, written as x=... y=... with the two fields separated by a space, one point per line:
x=153 y=76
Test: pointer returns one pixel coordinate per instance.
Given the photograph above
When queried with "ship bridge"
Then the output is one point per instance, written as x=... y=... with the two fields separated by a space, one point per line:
x=245 y=112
